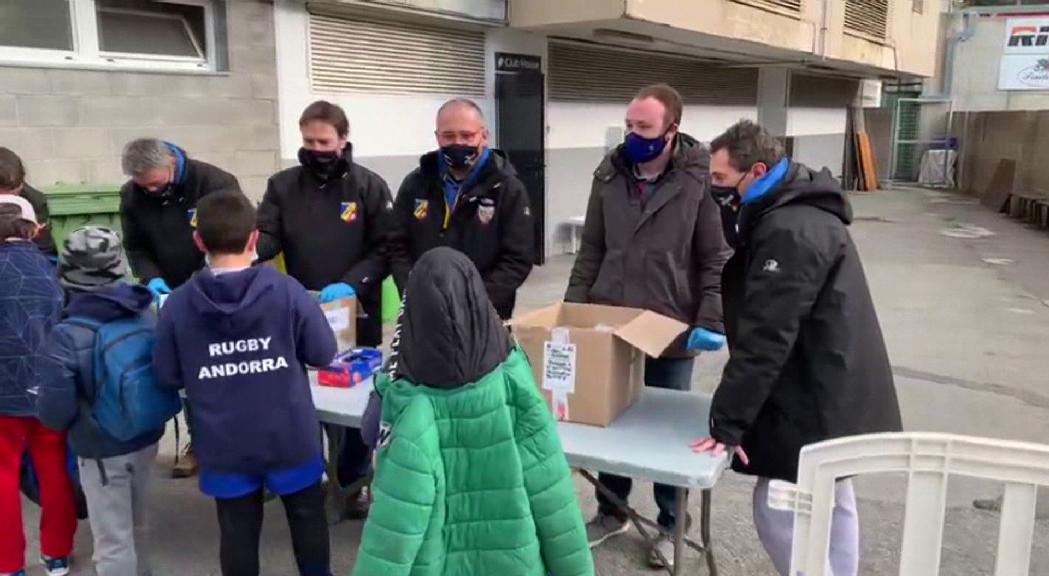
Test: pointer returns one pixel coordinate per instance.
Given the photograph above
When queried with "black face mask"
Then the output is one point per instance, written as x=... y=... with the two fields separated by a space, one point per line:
x=725 y=196
x=459 y=156
x=320 y=163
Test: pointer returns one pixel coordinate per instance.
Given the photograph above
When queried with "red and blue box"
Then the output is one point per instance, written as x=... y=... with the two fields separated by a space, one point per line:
x=351 y=368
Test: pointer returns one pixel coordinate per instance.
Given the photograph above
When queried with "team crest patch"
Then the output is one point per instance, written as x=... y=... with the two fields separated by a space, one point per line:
x=348 y=211
x=422 y=208
x=191 y=215
x=486 y=211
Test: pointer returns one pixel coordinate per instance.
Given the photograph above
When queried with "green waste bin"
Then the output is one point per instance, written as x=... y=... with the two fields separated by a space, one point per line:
x=75 y=205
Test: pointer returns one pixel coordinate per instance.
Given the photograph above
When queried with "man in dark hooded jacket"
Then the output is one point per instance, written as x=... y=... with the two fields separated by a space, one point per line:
x=466 y=196
x=807 y=358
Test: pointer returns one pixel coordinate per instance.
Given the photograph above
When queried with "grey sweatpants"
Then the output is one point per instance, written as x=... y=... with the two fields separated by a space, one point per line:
x=776 y=529
x=116 y=505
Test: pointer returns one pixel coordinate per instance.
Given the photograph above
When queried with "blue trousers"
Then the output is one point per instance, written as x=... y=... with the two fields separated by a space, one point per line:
x=676 y=374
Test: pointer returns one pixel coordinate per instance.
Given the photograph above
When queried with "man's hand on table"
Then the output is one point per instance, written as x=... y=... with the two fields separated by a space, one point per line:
x=711 y=445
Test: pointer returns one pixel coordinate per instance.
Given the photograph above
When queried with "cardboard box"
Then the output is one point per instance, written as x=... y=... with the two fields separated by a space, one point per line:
x=342 y=317
x=589 y=360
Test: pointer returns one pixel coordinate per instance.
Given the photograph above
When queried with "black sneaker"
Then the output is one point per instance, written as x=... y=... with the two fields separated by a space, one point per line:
x=603 y=527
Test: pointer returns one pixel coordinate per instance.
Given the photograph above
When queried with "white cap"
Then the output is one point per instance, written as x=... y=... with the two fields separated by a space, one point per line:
x=28 y=213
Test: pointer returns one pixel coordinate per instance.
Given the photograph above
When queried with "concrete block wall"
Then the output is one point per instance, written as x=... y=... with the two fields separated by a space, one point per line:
x=71 y=125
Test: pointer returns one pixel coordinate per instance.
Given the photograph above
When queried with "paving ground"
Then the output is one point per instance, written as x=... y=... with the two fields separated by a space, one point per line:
x=963 y=296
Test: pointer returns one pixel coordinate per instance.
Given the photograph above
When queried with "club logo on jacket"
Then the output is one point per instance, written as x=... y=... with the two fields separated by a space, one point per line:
x=771 y=266
x=191 y=215
x=486 y=210
x=422 y=208
x=348 y=211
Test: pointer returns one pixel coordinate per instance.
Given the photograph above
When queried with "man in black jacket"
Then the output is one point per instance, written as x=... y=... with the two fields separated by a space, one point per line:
x=158 y=209
x=12 y=181
x=466 y=196
x=807 y=358
x=328 y=217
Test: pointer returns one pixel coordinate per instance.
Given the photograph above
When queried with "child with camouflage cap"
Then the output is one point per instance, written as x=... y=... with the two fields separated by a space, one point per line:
x=114 y=473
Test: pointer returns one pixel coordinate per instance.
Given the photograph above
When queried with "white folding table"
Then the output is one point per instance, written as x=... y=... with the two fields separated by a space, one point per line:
x=650 y=441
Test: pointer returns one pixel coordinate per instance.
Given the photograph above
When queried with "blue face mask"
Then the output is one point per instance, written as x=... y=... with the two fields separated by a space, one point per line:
x=639 y=149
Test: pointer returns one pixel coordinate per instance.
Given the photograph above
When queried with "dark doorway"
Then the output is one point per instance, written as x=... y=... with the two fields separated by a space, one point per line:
x=522 y=130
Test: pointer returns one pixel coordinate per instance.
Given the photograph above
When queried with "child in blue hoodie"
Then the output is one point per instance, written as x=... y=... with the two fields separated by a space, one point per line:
x=238 y=339
x=30 y=305
x=114 y=474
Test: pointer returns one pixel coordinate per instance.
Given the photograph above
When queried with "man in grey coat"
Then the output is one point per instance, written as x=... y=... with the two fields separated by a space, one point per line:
x=653 y=240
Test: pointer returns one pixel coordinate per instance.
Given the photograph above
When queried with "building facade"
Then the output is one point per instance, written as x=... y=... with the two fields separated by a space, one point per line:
x=80 y=78
x=996 y=76
x=227 y=79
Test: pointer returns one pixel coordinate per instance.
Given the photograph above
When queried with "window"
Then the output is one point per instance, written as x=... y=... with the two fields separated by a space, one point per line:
x=167 y=34
x=36 y=24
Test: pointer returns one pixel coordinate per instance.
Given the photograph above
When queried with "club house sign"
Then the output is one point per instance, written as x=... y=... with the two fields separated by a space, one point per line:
x=1025 y=56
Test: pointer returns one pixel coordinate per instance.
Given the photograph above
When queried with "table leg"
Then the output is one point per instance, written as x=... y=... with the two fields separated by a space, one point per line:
x=704 y=532
x=335 y=505
x=680 y=526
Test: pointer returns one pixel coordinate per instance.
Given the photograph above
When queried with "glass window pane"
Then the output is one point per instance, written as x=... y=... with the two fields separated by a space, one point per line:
x=36 y=24
x=158 y=30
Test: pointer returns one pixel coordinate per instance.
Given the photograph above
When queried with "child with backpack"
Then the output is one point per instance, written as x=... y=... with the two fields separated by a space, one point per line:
x=238 y=339
x=98 y=385
x=30 y=305
x=470 y=478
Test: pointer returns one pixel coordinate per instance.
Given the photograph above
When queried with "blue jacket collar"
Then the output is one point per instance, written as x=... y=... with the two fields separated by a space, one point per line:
x=762 y=186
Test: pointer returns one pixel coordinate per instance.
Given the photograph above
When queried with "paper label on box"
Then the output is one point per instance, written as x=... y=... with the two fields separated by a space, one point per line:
x=559 y=367
x=338 y=319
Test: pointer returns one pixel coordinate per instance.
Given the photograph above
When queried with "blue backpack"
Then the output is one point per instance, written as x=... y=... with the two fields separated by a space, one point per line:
x=128 y=403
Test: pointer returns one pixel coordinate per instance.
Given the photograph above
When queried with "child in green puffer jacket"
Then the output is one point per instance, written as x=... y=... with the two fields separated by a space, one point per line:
x=470 y=477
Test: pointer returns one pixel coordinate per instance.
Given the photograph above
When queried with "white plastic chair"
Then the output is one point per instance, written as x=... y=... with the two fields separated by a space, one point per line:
x=927 y=459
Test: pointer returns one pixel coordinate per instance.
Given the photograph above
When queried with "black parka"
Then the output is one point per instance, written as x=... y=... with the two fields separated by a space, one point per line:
x=158 y=230
x=807 y=358
x=491 y=224
x=331 y=230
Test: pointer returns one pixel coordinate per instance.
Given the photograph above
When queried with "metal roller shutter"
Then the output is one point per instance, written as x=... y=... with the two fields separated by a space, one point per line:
x=822 y=91
x=394 y=57
x=867 y=17
x=597 y=74
x=786 y=7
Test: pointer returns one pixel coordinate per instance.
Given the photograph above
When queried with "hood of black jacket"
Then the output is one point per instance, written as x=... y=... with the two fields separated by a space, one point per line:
x=498 y=164
x=801 y=185
x=230 y=301
x=110 y=303
x=691 y=157
x=449 y=335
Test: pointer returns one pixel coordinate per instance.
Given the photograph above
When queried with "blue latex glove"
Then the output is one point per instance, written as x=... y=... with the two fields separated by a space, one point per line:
x=158 y=287
x=703 y=339
x=333 y=292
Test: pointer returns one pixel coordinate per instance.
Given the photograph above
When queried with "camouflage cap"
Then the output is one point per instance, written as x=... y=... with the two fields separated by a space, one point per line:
x=92 y=257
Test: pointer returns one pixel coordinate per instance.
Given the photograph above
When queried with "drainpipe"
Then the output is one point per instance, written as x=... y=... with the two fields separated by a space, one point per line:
x=968 y=28
x=824 y=16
